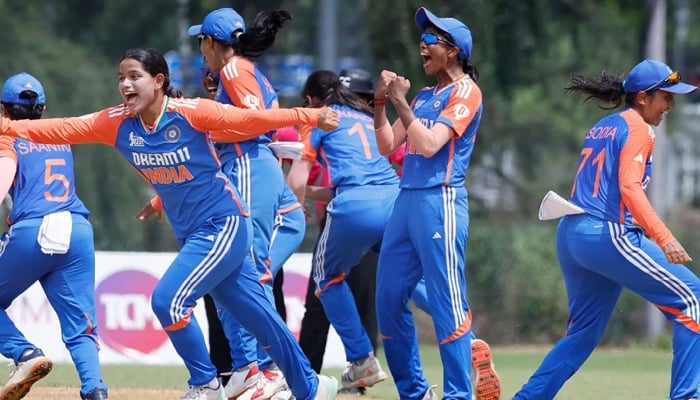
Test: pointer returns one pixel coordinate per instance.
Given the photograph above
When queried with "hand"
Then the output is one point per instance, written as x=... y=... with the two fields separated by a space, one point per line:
x=385 y=78
x=398 y=89
x=328 y=119
x=675 y=253
x=148 y=212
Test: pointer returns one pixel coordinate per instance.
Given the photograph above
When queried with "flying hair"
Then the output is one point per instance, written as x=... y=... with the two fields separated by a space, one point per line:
x=260 y=35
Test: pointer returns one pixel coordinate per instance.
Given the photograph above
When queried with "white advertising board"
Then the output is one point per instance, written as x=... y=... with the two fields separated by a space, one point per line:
x=128 y=330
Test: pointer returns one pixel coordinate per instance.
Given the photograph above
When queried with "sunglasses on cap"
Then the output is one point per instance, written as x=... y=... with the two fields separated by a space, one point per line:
x=431 y=38
x=201 y=37
x=672 y=79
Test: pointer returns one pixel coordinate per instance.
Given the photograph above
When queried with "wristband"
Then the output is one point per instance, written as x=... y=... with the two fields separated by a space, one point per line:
x=379 y=102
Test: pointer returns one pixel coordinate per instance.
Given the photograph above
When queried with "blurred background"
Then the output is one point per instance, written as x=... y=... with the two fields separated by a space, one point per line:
x=528 y=142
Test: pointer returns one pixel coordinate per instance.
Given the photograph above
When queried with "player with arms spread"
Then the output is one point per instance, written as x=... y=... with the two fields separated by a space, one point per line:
x=167 y=141
x=605 y=249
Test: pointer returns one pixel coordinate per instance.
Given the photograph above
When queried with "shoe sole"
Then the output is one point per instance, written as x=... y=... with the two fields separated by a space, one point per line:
x=365 y=382
x=20 y=389
x=488 y=384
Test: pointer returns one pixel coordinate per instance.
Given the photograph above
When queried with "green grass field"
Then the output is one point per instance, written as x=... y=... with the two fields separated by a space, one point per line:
x=639 y=373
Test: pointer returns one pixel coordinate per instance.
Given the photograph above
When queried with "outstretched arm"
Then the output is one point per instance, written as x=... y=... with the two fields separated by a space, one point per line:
x=228 y=123
x=99 y=127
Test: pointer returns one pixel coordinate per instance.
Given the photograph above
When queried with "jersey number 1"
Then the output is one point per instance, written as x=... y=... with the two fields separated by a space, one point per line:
x=596 y=162
x=360 y=130
x=50 y=177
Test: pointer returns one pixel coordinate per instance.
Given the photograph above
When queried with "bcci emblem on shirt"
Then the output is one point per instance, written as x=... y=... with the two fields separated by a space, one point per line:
x=172 y=134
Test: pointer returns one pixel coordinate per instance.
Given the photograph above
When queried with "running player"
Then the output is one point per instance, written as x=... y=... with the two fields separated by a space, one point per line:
x=427 y=233
x=50 y=242
x=227 y=43
x=364 y=186
x=167 y=140
x=606 y=248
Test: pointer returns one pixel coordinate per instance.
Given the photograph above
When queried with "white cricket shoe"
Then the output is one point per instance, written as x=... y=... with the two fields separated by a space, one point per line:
x=363 y=373
x=205 y=392
x=241 y=380
x=327 y=388
x=32 y=366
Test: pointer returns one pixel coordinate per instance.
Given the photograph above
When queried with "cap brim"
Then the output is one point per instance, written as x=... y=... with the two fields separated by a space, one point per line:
x=424 y=17
x=679 y=88
x=194 y=30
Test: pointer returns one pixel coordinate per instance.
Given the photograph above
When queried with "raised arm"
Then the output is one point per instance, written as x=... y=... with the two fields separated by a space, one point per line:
x=388 y=137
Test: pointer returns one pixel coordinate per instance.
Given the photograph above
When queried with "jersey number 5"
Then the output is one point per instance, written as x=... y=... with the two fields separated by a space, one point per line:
x=596 y=162
x=50 y=177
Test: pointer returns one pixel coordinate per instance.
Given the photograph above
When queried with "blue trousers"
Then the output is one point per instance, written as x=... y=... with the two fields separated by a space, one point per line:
x=426 y=237
x=68 y=281
x=216 y=260
x=260 y=180
x=597 y=259
x=355 y=222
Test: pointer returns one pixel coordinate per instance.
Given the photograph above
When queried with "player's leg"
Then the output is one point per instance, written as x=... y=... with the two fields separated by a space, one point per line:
x=66 y=289
x=441 y=246
x=398 y=271
x=643 y=268
x=591 y=299
x=206 y=258
x=362 y=281
x=18 y=250
x=355 y=223
x=245 y=299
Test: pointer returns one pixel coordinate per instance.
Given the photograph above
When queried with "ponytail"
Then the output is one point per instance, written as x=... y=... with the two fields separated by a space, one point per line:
x=470 y=69
x=261 y=34
x=606 y=89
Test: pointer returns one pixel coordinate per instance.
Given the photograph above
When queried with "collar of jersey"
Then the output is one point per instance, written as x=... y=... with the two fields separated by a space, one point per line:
x=160 y=117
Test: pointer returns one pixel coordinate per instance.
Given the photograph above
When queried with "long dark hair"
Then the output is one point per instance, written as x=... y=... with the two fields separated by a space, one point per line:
x=261 y=33
x=154 y=63
x=606 y=89
x=326 y=86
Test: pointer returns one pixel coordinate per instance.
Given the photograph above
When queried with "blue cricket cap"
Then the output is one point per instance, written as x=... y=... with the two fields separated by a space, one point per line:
x=652 y=74
x=16 y=84
x=461 y=35
x=220 y=24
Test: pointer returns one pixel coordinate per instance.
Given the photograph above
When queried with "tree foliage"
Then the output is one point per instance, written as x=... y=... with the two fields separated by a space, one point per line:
x=528 y=141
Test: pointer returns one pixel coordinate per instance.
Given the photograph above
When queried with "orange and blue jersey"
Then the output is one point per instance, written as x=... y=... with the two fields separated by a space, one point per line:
x=243 y=85
x=459 y=107
x=349 y=153
x=176 y=156
x=44 y=182
x=614 y=167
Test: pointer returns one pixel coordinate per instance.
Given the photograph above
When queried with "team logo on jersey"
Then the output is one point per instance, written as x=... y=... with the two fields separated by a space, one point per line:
x=172 y=134
x=436 y=104
x=135 y=141
x=251 y=101
x=461 y=111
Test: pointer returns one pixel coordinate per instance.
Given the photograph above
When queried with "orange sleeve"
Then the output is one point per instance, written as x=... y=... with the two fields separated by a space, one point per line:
x=231 y=124
x=308 y=153
x=7 y=148
x=633 y=158
x=241 y=86
x=98 y=127
x=460 y=110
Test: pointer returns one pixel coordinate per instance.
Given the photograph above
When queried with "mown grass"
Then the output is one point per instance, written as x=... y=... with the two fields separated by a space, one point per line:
x=636 y=373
